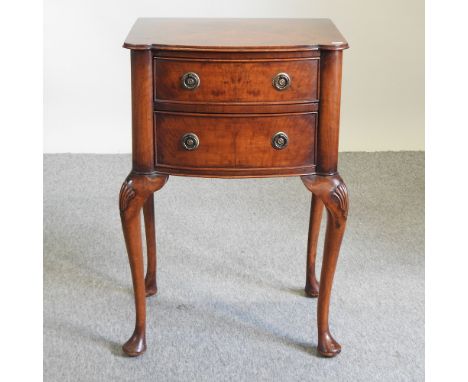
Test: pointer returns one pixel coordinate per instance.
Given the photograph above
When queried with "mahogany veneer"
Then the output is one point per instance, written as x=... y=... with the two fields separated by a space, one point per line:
x=235 y=143
x=236 y=80
x=235 y=98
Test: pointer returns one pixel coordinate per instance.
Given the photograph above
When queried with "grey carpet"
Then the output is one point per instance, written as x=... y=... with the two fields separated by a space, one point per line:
x=231 y=271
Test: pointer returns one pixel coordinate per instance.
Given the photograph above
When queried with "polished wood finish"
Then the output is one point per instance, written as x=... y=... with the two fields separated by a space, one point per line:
x=234 y=113
x=151 y=287
x=329 y=109
x=236 y=55
x=239 y=141
x=316 y=208
x=142 y=111
x=236 y=107
x=235 y=35
x=134 y=192
x=332 y=191
x=237 y=81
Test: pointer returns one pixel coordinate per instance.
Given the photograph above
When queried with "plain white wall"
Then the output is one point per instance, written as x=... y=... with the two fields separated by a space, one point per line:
x=87 y=72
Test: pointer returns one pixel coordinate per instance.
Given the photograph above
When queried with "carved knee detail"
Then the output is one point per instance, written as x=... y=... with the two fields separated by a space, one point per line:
x=332 y=191
x=334 y=194
x=134 y=192
x=127 y=193
x=341 y=199
x=136 y=188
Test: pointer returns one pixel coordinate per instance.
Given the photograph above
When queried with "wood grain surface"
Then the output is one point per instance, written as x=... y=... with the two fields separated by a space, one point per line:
x=235 y=112
x=236 y=81
x=236 y=141
x=235 y=34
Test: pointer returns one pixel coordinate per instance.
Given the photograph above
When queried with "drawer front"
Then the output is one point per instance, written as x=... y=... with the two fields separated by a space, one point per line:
x=237 y=141
x=236 y=81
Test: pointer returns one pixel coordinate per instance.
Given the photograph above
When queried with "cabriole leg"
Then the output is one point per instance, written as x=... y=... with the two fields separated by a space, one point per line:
x=334 y=195
x=312 y=286
x=134 y=192
x=150 y=232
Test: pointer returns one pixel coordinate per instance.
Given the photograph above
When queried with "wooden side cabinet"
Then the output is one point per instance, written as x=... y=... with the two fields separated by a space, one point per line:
x=234 y=98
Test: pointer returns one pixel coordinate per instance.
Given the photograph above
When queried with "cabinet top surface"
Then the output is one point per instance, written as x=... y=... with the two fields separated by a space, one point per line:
x=234 y=34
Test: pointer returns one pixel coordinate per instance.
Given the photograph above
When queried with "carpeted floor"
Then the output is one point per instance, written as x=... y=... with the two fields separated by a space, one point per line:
x=231 y=269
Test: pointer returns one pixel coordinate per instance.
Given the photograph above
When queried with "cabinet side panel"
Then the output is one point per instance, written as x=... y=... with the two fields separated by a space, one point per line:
x=142 y=111
x=329 y=111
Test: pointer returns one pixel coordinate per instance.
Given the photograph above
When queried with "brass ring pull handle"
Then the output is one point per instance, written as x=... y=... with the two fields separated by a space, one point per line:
x=190 y=141
x=190 y=80
x=281 y=81
x=279 y=141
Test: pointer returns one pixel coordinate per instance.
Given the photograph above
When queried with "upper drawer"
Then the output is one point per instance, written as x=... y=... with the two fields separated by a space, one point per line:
x=236 y=81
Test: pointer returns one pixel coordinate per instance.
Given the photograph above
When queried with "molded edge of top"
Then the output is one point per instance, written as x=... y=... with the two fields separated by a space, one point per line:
x=299 y=48
x=131 y=43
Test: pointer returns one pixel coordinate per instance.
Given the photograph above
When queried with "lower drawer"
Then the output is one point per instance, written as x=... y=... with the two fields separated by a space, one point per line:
x=235 y=142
